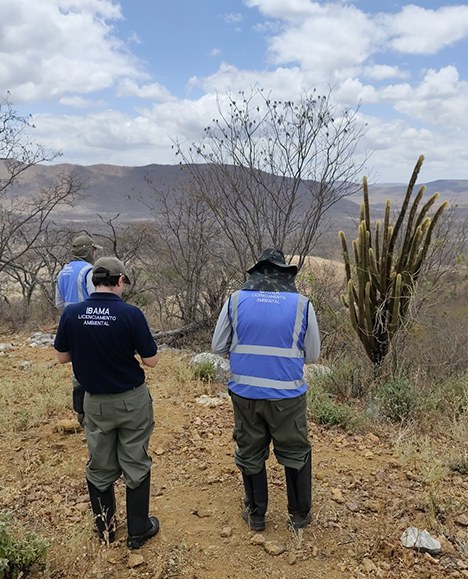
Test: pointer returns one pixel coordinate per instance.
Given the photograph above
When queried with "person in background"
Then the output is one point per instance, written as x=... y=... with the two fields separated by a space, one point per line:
x=101 y=336
x=269 y=331
x=74 y=284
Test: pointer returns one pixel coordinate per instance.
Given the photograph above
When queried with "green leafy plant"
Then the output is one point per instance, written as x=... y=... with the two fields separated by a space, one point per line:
x=325 y=410
x=18 y=553
x=397 y=399
x=205 y=371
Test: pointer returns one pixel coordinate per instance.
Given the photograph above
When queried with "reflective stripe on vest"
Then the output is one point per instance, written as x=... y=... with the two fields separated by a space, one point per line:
x=80 y=284
x=266 y=382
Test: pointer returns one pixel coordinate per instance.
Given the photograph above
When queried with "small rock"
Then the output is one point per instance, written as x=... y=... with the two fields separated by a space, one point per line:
x=159 y=451
x=462 y=520
x=26 y=365
x=419 y=540
x=257 y=539
x=82 y=507
x=201 y=513
x=375 y=506
x=67 y=425
x=219 y=365
x=226 y=532
x=209 y=401
x=274 y=548
x=430 y=558
x=135 y=560
x=369 y=566
x=337 y=496
x=372 y=438
x=368 y=454
x=41 y=340
x=292 y=559
x=353 y=507
x=112 y=557
x=461 y=564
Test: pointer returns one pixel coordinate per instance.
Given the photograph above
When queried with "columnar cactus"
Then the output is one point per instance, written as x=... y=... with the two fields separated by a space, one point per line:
x=388 y=261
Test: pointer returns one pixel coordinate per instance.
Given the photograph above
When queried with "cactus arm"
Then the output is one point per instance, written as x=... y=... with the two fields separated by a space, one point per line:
x=410 y=232
x=344 y=247
x=427 y=241
x=426 y=208
x=396 y=303
x=404 y=207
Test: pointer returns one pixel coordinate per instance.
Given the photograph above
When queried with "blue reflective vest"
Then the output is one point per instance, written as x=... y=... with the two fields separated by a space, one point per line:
x=71 y=282
x=267 y=347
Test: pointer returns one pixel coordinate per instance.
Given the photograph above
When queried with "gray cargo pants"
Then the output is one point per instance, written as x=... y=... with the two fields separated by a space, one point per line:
x=258 y=422
x=118 y=428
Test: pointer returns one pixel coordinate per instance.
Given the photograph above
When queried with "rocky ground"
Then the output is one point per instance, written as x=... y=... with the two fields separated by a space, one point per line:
x=368 y=488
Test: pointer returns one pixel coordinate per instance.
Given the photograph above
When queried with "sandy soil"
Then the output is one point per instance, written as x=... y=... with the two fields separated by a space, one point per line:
x=365 y=495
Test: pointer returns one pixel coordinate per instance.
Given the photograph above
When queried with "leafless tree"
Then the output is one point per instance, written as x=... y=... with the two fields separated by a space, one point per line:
x=17 y=152
x=128 y=242
x=270 y=170
x=185 y=263
x=25 y=220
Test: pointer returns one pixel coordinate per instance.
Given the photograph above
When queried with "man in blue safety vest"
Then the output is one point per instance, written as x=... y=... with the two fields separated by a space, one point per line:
x=74 y=284
x=269 y=331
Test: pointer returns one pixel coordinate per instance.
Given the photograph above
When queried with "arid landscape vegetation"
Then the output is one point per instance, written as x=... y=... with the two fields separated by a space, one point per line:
x=388 y=405
x=373 y=478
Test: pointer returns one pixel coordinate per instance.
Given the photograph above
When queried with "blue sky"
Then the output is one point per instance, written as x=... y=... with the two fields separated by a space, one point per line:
x=118 y=82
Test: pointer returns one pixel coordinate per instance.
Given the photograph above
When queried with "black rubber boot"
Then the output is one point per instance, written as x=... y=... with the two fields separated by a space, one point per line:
x=103 y=505
x=255 y=500
x=299 y=489
x=140 y=525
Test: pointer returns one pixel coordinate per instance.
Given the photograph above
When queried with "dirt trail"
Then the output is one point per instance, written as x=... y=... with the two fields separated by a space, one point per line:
x=364 y=498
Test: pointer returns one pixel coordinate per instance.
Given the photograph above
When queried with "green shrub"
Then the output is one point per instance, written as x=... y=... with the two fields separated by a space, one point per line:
x=324 y=410
x=18 y=553
x=205 y=371
x=459 y=464
x=345 y=380
x=397 y=399
x=450 y=397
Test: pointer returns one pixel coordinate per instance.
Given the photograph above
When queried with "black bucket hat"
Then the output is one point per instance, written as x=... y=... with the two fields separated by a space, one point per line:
x=276 y=257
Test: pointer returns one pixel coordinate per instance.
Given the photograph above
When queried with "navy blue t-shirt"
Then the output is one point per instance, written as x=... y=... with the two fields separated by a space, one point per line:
x=103 y=333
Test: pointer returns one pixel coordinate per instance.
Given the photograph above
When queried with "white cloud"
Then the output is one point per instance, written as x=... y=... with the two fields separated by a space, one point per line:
x=232 y=18
x=283 y=82
x=292 y=11
x=383 y=72
x=68 y=52
x=417 y=30
x=336 y=37
x=440 y=98
x=59 y=47
x=152 y=90
x=78 y=102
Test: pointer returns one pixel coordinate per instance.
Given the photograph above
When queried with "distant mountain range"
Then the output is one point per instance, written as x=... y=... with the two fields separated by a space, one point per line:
x=111 y=189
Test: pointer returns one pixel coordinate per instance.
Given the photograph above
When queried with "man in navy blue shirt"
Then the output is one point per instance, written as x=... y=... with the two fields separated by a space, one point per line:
x=100 y=337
